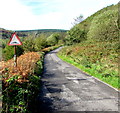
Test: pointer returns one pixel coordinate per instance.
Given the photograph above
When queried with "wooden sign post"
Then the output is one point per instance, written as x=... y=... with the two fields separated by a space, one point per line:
x=14 y=41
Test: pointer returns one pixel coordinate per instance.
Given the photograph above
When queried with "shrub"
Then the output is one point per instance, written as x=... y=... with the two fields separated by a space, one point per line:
x=8 y=52
x=52 y=39
x=75 y=35
x=48 y=49
x=20 y=85
x=20 y=97
x=40 y=43
x=29 y=45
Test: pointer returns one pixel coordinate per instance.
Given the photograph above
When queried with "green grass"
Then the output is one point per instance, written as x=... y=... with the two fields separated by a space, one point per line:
x=97 y=54
x=111 y=80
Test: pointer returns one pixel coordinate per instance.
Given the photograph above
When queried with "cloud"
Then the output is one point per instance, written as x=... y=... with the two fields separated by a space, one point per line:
x=15 y=15
x=46 y=14
x=21 y=16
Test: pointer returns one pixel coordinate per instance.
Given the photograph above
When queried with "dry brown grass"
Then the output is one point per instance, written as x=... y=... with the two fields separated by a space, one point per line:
x=25 y=66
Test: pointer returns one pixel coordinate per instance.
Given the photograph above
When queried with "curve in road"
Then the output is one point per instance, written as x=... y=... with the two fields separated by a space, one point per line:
x=66 y=88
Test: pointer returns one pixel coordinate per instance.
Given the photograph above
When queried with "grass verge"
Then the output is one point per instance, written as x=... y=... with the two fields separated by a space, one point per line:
x=111 y=80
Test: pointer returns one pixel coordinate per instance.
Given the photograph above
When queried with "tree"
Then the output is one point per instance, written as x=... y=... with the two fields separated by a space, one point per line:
x=75 y=35
x=40 y=42
x=52 y=39
x=78 y=20
x=29 y=44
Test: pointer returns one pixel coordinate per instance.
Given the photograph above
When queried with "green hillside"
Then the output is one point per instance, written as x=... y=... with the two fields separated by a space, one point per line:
x=93 y=45
x=4 y=34
x=24 y=33
x=33 y=40
x=42 y=30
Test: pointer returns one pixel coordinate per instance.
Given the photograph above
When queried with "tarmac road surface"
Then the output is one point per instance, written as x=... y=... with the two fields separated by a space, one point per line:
x=66 y=88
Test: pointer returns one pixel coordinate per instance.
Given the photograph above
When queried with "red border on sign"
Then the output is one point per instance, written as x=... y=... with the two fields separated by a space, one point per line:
x=17 y=38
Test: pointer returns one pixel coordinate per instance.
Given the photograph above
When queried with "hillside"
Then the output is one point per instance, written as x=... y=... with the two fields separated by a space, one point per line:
x=4 y=34
x=91 y=45
x=94 y=45
x=33 y=40
x=24 y=33
x=109 y=9
x=42 y=30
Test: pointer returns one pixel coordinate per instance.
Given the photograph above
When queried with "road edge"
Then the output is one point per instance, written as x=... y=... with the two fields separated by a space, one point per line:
x=87 y=73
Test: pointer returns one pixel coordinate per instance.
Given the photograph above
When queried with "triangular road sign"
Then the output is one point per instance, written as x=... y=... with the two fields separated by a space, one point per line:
x=14 y=40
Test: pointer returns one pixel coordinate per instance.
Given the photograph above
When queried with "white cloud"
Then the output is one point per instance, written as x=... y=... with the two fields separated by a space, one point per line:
x=46 y=14
x=14 y=15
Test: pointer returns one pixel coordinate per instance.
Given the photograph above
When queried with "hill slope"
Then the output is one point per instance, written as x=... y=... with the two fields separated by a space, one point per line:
x=23 y=33
x=95 y=45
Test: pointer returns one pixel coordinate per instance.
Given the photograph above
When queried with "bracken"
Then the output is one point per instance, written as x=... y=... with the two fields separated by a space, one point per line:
x=25 y=66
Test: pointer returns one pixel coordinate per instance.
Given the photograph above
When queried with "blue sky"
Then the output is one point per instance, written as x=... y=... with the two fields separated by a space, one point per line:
x=46 y=14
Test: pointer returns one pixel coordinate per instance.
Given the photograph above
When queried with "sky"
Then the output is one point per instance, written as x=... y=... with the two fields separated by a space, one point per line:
x=46 y=14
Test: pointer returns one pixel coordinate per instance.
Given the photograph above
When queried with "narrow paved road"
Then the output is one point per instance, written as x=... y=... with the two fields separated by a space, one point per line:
x=66 y=88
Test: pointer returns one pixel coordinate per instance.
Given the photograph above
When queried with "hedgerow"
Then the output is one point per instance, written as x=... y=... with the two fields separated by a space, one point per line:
x=21 y=84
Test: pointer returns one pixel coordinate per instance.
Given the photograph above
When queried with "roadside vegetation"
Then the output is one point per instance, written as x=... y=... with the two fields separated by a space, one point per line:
x=93 y=45
x=32 y=42
x=21 y=84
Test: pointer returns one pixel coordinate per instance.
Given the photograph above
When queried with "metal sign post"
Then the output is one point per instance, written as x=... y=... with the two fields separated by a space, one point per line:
x=14 y=40
x=15 y=57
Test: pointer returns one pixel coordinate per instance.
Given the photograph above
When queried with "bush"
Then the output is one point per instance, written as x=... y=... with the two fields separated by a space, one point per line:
x=40 y=43
x=8 y=52
x=75 y=35
x=48 y=49
x=29 y=45
x=20 y=97
x=21 y=84
x=52 y=39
